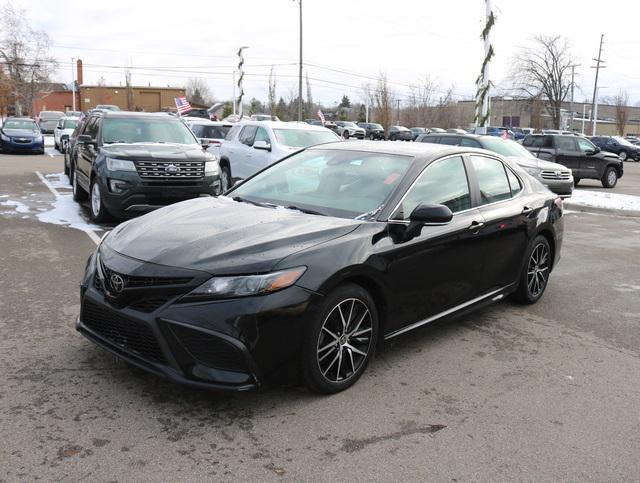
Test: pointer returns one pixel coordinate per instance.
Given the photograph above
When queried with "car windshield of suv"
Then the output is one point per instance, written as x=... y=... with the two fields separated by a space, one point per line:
x=301 y=138
x=210 y=132
x=131 y=130
x=506 y=147
x=623 y=141
x=337 y=183
x=70 y=123
x=26 y=124
x=348 y=124
x=375 y=126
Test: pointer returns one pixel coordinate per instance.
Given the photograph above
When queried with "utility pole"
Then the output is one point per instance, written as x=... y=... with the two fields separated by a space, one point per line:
x=300 y=69
x=597 y=67
x=398 y=111
x=573 y=68
x=73 y=85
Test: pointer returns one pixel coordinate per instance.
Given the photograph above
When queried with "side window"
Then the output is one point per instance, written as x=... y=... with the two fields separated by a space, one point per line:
x=430 y=139
x=262 y=135
x=92 y=128
x=441 y=183
x=566 y=143
x=514 y=182
x=469 y=143
x=90 y=121
x=247 y=135
x=450 y=140
x=492 y=179
x=585 y=145
x=233 y=132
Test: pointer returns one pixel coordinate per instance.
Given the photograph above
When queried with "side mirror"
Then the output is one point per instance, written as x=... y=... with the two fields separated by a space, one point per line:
x=264 y=145
x=84 y=139
x=431 y=214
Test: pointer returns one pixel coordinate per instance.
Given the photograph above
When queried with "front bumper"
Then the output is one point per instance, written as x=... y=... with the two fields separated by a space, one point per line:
x=562 y=187
x=13 y=146
x=231 y=345
x=356 y=134
x=141 y=196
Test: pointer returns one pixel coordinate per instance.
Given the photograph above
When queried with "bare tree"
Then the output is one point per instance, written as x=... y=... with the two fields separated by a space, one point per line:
x=198 y=91
x=272 y=93
x=384 y=99
x=544 y=71
x=101 y=81
x=419 y=111
x=24 y=53
x=620 y=101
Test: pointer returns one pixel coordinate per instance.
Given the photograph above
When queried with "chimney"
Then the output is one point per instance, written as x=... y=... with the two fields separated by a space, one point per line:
x=79 y=73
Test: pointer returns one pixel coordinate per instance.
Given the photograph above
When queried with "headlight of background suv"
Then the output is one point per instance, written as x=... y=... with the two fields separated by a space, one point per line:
x=211 y=168
x=533 y=171
x=120 y=165
x=245 y=285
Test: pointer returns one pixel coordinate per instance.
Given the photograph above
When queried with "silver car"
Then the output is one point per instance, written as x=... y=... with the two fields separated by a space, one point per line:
x=251 y=146
x=348 y=129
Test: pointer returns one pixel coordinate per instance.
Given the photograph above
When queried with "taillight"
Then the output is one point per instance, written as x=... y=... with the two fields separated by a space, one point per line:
x=213 y=141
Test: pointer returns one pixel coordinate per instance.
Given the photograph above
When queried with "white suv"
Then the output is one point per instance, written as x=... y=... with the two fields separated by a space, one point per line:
x=253 y=145
x=63 y=130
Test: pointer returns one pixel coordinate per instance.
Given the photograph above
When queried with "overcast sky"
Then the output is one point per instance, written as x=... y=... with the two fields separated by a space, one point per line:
x=408 y=40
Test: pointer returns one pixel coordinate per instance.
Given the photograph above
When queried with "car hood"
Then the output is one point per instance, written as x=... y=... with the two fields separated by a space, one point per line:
x=536 y=163
x=222 y=236
x=159 y=151
x=608 y=155
x=20 y=133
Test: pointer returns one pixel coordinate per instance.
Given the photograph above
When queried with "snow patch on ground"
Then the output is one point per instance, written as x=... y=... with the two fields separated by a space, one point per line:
x=19 y=207
x=599 y=199
x=49 y=141
x=58 y=180
x=65 y=211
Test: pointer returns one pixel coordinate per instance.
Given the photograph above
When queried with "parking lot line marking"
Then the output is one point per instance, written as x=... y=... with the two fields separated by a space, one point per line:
x=90 y=233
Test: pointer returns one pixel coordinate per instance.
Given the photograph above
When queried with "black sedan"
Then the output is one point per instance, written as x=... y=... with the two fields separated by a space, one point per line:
x=303 y=268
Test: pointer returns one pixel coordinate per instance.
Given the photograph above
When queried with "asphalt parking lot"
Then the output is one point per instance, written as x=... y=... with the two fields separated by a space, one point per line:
x=547 y=392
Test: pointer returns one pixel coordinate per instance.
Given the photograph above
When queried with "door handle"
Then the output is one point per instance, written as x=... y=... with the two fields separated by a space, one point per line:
x=475 y=225
x=526 y=211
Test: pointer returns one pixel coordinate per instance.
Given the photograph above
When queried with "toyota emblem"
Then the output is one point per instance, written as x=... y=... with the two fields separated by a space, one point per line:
x=117 y=283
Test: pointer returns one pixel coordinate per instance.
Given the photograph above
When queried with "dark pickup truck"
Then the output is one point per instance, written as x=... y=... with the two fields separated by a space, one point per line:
x=585 y=160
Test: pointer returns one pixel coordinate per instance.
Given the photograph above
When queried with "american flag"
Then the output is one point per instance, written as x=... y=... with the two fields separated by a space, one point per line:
x=321 y=116
x=182 y=105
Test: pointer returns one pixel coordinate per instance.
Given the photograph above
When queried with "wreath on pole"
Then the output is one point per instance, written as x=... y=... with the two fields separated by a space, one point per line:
x=482 y=82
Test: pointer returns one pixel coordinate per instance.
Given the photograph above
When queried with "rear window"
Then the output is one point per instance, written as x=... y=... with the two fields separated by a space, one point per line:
x=210 y=132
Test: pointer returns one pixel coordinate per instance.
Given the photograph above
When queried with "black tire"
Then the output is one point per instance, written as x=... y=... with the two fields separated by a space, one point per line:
x=79 y=194
x=225 y=178
x=623 y=155
x=536 y=265
x=66 y=167
x=326 y=336
x=576 y=181
x=372 y=137
x=610 y=177
x=97 y=211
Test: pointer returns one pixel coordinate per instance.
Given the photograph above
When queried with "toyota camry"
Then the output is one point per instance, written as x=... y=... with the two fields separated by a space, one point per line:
x=300 y=271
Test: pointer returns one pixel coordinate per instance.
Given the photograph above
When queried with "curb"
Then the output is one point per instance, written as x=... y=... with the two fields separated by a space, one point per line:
x=601 y=211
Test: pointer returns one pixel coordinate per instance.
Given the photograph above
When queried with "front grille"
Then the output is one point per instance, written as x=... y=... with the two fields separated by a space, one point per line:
x=208 y=349
x=22 y=141
x=133 y=281
x=128 y=334
x=170 y=169
x=553 y=175
x=149 y=305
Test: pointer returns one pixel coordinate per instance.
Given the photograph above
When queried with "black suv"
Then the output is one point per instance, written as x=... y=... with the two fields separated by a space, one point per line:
x=129 y=163
x=617 y=145
x=372 y=130
x=579 y=154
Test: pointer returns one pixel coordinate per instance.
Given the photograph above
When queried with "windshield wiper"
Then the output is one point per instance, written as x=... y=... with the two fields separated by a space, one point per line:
x=239 y=199
x=305 y=210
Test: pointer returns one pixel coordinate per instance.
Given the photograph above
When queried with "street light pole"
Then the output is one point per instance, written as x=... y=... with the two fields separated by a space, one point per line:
x=73 y=85
x=300 y=69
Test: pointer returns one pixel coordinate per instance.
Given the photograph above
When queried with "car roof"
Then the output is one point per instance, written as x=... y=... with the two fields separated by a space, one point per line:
x=134 y=115
x=205 y=122
x=282 y=125
x=20 y=118
x=427 y=150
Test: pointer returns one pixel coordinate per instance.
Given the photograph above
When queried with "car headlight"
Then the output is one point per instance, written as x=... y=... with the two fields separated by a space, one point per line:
x=38 y=138
x=5 y=138
x=211 y=168
x=533 y=171
x=120 y=165
x=245 y=285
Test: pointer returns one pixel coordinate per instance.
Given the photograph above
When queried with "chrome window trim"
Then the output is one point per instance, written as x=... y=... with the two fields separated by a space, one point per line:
x=450 y=311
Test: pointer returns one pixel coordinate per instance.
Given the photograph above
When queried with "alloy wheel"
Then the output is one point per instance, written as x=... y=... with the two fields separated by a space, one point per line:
x=95 y=199
x=612 y=177
x=623 y=155
x=345 y=340
x=538 y=270
x=224 y=180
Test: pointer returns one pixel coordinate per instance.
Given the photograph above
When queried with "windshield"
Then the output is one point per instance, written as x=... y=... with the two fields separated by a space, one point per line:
x=337 y=183
x=301 y=138
x=70 y=123
x=376 y=126
x=348 y=124
x=26 y=124
x=210 y=132
x=505 y=147
x=146 y=131
x=622 y=141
